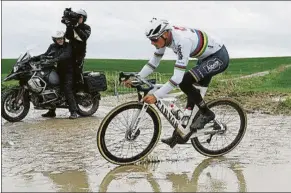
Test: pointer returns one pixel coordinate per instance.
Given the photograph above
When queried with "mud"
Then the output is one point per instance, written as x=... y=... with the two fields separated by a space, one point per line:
x=40 y=154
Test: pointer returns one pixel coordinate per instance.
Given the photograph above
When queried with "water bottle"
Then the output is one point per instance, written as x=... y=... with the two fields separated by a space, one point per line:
x=176 y=111
x=186 y=116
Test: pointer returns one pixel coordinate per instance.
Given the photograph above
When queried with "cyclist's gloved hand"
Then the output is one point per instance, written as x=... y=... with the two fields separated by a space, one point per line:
x=150 y=99
x=127 y=83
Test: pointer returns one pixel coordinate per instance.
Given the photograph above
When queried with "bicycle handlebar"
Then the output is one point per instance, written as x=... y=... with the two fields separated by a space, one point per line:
x=138 y=81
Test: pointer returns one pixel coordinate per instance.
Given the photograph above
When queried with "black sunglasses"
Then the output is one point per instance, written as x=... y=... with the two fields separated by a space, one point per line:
x=155 y=39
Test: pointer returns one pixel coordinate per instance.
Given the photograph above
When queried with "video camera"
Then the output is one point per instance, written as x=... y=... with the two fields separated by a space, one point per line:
x=70 y=17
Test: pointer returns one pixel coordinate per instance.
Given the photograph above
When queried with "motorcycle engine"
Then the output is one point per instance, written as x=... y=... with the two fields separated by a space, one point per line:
x=46 y=97
x=50 y=95
x=36 y=84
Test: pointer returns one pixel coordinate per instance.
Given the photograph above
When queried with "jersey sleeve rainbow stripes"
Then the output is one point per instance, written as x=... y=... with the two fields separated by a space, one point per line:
x=201 y=44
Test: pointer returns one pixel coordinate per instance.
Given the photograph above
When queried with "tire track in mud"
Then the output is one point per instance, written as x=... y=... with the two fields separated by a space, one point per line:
x=263 y=73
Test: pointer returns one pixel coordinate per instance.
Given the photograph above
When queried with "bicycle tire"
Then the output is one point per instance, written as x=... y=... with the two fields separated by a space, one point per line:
x=113 y=113
x=243 y=117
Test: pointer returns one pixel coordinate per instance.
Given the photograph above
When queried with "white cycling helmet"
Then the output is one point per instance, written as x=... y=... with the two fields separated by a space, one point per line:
x=83 y=13
x=57 y=35
x=156 y=28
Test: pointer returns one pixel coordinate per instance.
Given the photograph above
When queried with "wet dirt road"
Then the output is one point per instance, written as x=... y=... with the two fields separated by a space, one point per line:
x=61 y=155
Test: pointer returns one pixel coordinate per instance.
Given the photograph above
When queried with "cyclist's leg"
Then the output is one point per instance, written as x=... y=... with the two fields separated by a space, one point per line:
x=210 y=66
x=202 y=73
x=193 y=94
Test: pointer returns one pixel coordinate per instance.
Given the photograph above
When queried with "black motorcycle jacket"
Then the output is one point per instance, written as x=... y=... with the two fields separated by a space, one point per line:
x=78 y=38
x=61 y=54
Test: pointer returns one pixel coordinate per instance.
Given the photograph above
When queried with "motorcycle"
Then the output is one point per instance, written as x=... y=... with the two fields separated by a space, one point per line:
x=39 y=85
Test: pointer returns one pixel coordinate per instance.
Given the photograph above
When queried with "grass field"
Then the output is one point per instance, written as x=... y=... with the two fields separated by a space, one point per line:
x=254 y=93
x=242 y=66
x=279 y=81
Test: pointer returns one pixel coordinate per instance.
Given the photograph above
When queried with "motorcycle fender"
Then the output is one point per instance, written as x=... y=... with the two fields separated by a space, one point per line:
x=10 y=77
x=26 y=92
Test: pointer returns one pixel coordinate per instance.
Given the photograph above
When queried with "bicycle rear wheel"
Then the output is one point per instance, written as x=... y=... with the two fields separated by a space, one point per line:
x=231 y=115
x=112 y=135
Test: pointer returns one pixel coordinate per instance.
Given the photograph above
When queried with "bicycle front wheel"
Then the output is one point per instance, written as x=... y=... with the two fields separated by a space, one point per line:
x=112 y=136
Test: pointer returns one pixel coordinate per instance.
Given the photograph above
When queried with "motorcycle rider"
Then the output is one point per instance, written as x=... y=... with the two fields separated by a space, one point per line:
x=61 y=53
x=78 y=35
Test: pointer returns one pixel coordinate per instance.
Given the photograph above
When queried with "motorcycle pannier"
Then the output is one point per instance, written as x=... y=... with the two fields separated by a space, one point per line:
x=95 y=82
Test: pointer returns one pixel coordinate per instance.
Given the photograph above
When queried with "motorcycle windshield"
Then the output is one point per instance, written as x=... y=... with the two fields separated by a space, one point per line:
x=27 y=54
x=20 y=57
x=24 y=56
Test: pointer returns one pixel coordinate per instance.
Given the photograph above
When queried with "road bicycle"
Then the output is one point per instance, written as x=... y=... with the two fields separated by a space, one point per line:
x=137 y=125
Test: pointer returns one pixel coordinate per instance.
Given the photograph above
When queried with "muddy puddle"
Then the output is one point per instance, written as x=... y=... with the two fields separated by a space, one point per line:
x=61 y=155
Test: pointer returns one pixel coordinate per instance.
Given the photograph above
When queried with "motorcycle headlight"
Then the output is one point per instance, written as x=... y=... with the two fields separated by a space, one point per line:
x=15 y=68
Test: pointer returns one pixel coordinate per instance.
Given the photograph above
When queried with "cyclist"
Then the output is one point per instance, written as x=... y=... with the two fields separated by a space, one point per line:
x=186 y=43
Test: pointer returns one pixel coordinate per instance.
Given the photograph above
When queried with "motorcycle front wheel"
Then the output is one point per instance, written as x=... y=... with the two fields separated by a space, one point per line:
x=12 y=110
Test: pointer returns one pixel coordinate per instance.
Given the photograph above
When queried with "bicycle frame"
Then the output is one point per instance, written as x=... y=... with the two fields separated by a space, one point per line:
x=165 y=110
x=152 y=126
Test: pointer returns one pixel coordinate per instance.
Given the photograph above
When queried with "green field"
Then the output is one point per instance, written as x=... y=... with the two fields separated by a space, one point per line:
x=241 y=66
x=279 y=81
x=253 y=93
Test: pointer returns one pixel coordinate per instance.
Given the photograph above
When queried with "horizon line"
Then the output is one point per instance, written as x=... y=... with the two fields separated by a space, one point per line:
x=174 y=59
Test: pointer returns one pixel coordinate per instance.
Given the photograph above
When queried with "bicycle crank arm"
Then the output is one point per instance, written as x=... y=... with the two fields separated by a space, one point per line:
x=205 y=131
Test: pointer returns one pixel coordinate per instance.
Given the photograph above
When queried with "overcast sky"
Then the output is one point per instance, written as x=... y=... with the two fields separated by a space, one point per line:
x=248 y=29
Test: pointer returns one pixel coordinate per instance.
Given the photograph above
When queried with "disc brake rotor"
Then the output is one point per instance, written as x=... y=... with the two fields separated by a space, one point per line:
x=12 y=106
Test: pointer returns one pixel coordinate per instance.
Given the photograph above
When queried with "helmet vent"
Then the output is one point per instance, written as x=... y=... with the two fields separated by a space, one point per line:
x=150 y=32
x=157 y=29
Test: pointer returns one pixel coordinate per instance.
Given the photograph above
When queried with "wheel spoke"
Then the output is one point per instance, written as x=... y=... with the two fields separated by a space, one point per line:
x=130 y=147
x=231 y=116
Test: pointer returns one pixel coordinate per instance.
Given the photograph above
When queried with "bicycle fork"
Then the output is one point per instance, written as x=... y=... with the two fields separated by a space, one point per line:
x=133 y=131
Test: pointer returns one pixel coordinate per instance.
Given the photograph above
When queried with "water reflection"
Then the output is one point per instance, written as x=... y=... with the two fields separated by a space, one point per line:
x=69 y=181
x=211 y=175
x=130 y=176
